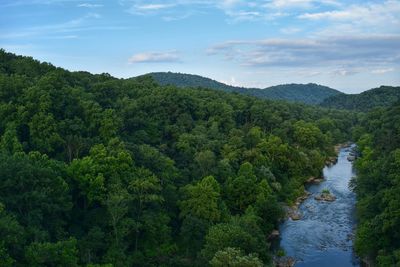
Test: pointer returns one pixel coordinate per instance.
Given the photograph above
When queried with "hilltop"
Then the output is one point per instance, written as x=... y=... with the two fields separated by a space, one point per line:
x=310 y=93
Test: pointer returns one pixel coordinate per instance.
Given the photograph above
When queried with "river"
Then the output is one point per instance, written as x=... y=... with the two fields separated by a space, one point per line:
x=323 y=236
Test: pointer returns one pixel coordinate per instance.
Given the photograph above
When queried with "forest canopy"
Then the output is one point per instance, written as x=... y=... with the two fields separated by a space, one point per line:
x=100 y=171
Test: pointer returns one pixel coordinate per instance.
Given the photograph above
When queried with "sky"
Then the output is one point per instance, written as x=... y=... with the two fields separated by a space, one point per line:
x=350 y=45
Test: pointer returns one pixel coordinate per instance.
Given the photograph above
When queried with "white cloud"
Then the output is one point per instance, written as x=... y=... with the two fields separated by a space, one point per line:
x=289 y=3
x=88 y=5
x=344 y=72
x=292 y=4
x=367 y=17
x=155 y=57
x=52 y=31
x=364 y=51
x=235 y=10
x=232 y=81
x=290 y=30
x=153 y=6
x=382 y=71
x=387 y=9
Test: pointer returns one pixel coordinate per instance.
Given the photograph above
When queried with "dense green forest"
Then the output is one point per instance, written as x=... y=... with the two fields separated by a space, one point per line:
x=314 y=94
x=301 y=93
x=99 y=171
x=378 y=186
x=383 y=96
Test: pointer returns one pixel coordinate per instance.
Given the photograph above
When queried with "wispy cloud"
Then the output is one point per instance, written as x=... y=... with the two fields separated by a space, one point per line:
x=155 y=57
x=154 y=6
x=290 y=30
x=382 y=71
x=346 y=51
x=235 y=10
x=290 y=4
x=38 y=2
x=64 y=30
x=379 y=17
x=89 y=5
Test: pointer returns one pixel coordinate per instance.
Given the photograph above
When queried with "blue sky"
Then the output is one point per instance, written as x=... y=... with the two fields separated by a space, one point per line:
x=350 y=45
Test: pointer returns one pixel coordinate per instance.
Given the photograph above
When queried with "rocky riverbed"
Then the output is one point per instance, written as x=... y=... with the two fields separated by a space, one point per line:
x=319 y=228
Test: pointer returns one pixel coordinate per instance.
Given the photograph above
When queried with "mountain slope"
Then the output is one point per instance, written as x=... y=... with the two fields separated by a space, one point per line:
x=383 y=96
x=304 y=93
x=124 y=172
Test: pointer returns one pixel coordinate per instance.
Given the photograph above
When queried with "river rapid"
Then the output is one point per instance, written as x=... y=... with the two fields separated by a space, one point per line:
x=323 y=237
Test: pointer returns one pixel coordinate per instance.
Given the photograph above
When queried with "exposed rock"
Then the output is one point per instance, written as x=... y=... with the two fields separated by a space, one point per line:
x=339 y=146
x=274 y=234
x=314 y=180
x=310 y=180
x=325 y=197
x=295 y=216
x=293 y=211
x=331 y=161
x=284 y=261
x=351 y=158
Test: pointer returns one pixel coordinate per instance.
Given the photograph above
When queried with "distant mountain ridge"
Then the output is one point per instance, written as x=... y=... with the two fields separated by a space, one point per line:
x=304 y=93
x=383 y=96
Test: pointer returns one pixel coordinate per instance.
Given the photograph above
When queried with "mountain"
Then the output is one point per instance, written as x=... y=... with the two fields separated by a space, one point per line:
x=383 y=96
x=304 y=93
x=125 y=172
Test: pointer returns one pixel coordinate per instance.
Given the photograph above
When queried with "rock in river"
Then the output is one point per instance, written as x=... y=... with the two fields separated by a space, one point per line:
x=325 y=197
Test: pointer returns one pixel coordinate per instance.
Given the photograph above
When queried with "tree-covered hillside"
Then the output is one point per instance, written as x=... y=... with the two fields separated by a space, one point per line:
x=302 y=93
x=383 y=96
x=99 y=171
x=378 y=187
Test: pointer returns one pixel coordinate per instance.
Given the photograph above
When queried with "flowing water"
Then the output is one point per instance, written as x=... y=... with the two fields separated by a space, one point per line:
x=323 y=236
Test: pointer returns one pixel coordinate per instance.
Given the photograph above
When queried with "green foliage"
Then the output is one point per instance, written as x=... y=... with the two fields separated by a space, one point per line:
x=378 y=187
x=383 y=96
x=61 y=253
x=241 y=232
x=9 y=141
x=325 y=191
x=235 y=258
x=99 y=171
x=241 y=189
x=302 y=93
x=202 y=200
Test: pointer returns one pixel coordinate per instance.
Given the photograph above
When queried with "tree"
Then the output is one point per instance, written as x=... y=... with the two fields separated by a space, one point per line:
x=243 y=233
x=240 y=189
x=202 y=200
x=61 y=253
x=44 y=135
x=234 y=257
x=9 y=141
x=308 y=135
x=43 y=193
x=206 y=161
x=145 y=190
x=12 y=240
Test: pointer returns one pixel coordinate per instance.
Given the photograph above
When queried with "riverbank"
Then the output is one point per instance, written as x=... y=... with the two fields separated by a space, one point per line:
x=293 y=211
x=318 y=232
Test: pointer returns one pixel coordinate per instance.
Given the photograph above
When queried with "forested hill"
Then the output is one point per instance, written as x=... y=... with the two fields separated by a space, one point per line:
x=302 y=93
x=378 y=187
x=383 y=96
x=99 y=171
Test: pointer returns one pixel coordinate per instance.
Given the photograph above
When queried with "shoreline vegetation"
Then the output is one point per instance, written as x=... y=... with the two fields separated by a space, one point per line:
x=125 y=172
x=292 y=211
